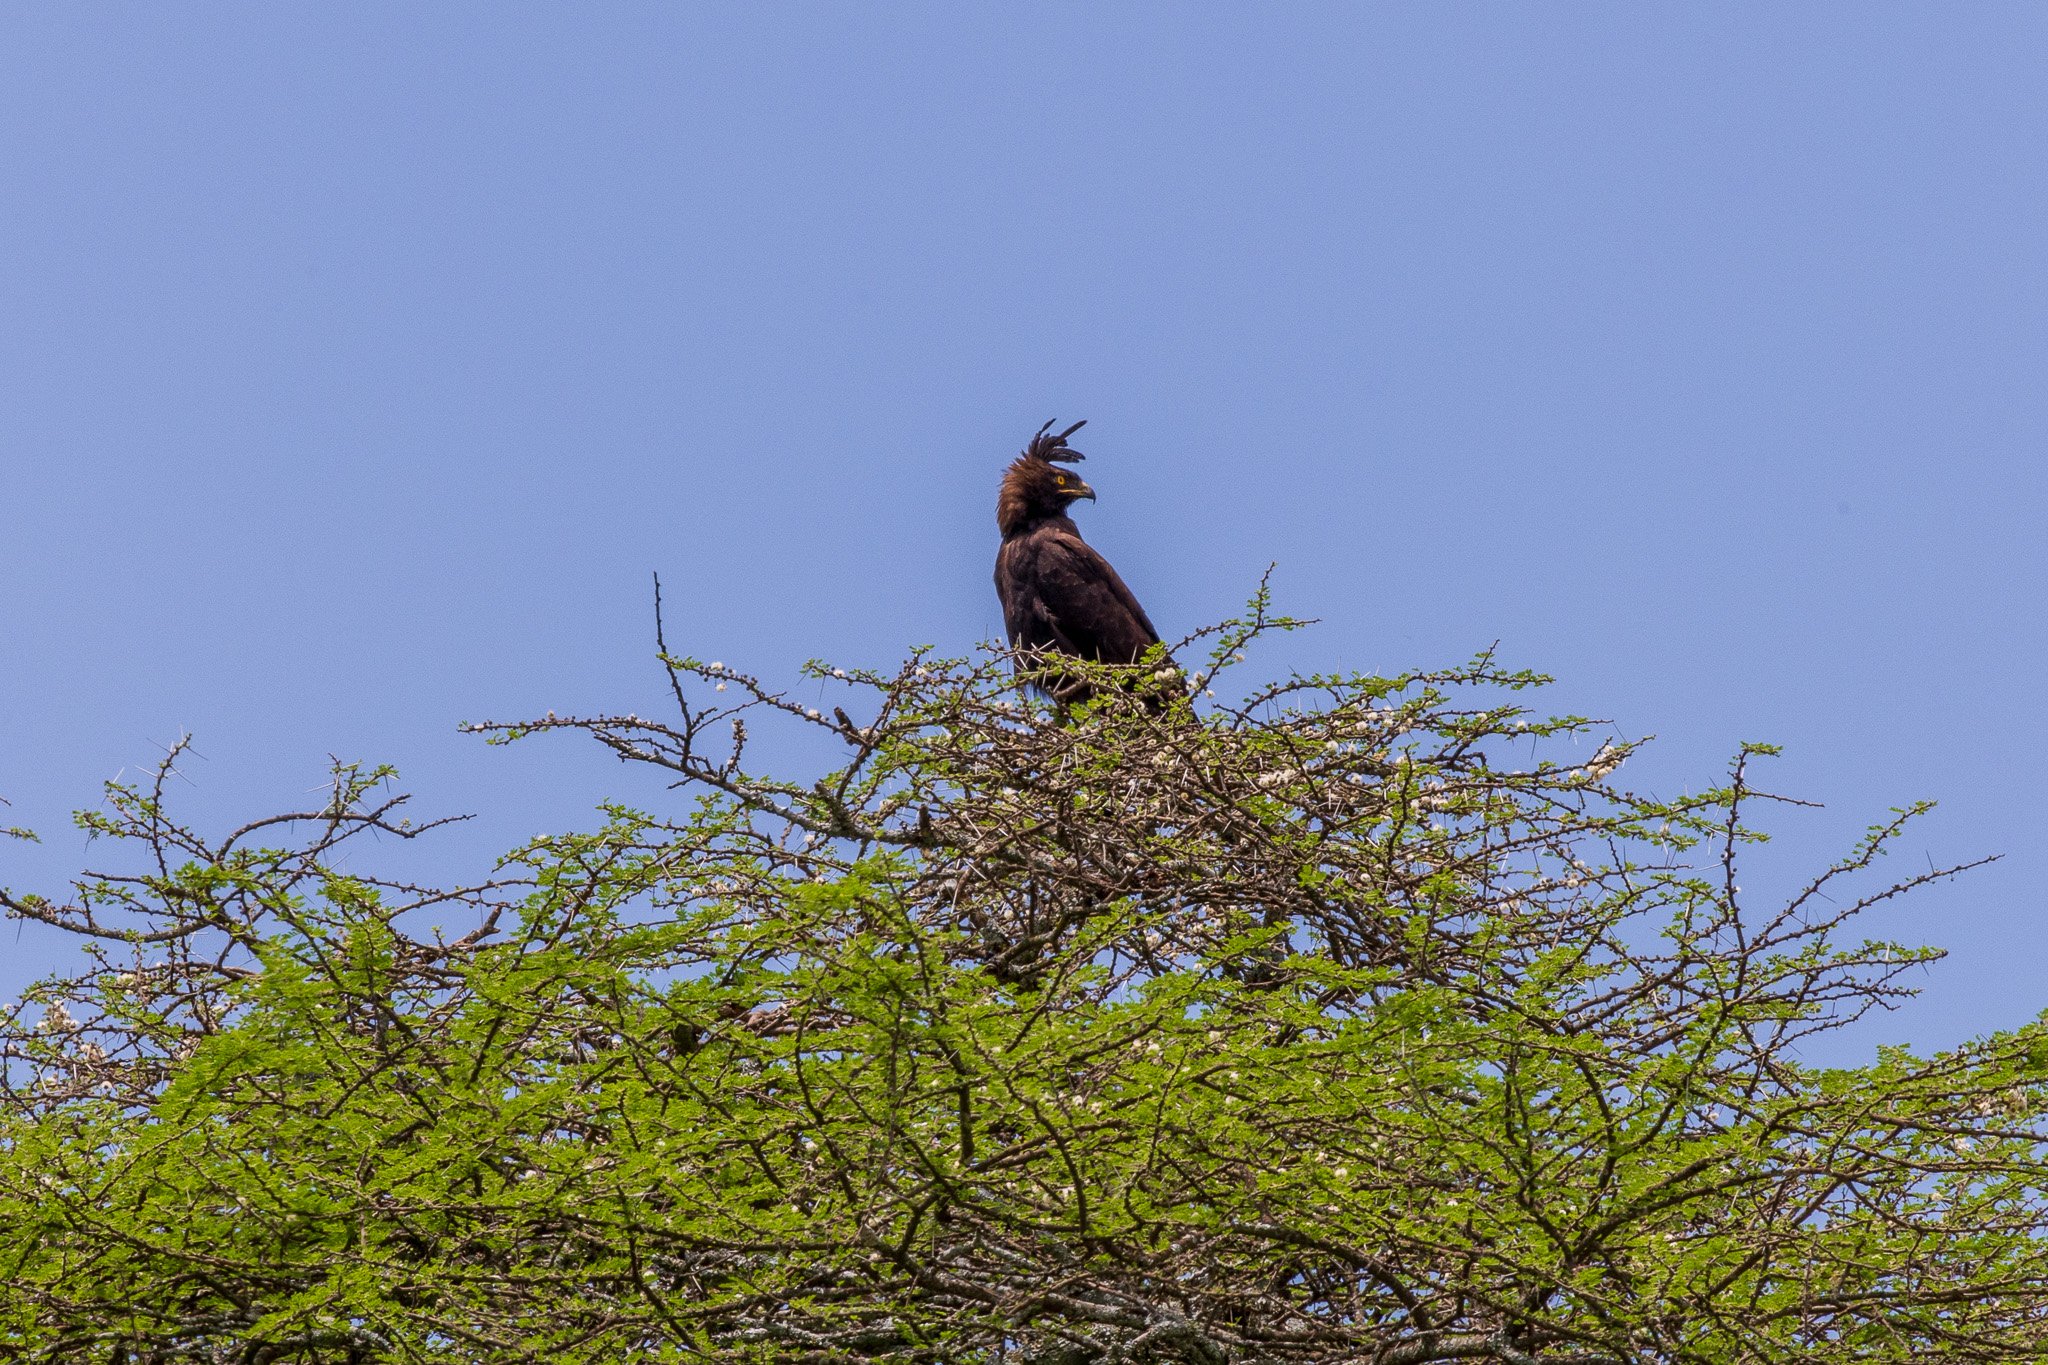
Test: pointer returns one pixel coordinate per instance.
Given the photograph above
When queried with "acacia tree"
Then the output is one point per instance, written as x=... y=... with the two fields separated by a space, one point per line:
x=1363 y=1020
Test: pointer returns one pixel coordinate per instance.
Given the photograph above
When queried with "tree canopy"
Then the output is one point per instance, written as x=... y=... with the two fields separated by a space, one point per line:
x=1360 y=1019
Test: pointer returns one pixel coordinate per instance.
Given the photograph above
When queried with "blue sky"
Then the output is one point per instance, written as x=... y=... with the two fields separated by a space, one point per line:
x=359 y=363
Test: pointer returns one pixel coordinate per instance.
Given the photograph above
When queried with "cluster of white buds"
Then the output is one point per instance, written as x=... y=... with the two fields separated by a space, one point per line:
x=2009 y=1104
x=1603 y=763
x=57 y=1019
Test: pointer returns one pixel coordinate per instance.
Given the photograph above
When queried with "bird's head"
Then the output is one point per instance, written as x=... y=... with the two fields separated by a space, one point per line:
x=1036 y=486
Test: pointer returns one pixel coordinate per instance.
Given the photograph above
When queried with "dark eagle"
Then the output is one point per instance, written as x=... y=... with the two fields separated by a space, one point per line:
x=1059 y=596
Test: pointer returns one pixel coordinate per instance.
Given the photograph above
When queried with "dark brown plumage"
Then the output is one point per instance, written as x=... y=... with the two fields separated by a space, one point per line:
x=1059 y=596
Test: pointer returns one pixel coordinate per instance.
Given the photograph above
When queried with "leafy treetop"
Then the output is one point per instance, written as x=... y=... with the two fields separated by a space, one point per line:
x=1361 y=1020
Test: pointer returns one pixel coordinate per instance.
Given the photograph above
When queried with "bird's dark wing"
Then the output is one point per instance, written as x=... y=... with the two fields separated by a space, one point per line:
x=1058 y=593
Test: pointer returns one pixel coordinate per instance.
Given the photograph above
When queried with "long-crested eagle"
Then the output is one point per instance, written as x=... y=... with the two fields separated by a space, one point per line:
x=1059 y=596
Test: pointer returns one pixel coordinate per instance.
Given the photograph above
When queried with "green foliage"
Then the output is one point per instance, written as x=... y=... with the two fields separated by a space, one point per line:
x=1306 y=1029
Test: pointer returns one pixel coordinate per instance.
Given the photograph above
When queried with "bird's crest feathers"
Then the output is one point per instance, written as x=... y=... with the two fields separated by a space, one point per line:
x=1046 y=446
